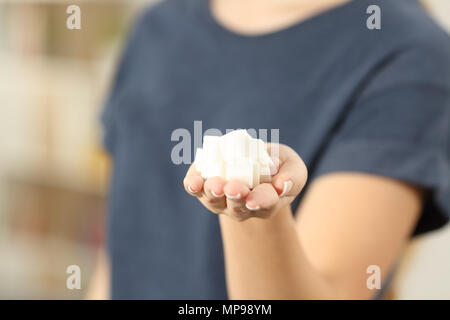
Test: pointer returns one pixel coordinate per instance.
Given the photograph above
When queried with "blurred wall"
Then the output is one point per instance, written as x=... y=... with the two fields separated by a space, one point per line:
x=53 y=170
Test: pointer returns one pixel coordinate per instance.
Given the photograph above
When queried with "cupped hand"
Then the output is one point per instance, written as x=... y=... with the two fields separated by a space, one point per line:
x=235 y=199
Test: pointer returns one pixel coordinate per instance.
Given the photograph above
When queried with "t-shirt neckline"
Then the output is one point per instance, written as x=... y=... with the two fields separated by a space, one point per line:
x=303 y=23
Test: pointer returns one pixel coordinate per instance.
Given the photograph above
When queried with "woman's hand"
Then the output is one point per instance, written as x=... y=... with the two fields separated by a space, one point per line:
x=235 y=199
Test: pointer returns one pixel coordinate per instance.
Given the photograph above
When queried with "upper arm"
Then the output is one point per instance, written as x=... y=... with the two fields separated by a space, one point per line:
x=349 y=221
x=357 y=211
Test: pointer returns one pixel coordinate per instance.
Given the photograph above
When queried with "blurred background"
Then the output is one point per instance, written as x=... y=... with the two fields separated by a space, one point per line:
x=53 y=169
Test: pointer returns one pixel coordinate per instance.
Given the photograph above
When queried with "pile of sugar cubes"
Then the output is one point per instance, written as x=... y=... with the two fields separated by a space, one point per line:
x=235 y=155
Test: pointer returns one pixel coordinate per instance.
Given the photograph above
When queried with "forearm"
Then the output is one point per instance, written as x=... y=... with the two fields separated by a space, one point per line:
x=264 y=259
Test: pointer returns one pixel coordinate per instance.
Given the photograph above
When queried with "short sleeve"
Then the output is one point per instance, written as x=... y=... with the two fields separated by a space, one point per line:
x=122 y=82
x=398 y=127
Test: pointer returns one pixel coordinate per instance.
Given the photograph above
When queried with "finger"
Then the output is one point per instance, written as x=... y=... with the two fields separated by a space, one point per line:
x=213 y=188
x=193 y=182
x=292 y=174
x=262 y=197
x=214 y=195
x=235 y=193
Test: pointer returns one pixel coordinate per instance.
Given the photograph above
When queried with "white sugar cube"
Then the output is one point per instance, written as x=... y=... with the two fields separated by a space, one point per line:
x=265 y=174
x=198 y=159
x=253 y=149
x=256 y=174
x=235 y=155
x=214 y=169
x=235 y=145
x=259 y=153
x=211 y=145
x=242 y=170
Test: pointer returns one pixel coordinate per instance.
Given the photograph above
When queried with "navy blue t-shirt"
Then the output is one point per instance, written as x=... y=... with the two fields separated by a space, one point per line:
x=346 y=98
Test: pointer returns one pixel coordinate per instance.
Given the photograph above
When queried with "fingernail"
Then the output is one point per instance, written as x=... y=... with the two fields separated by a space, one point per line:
x=287 y=187
x=251 y=208
x=190 y=190
x=238 y=196
x=216 y=195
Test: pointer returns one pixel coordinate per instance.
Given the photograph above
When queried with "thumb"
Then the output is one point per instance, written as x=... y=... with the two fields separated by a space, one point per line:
x=292 y=174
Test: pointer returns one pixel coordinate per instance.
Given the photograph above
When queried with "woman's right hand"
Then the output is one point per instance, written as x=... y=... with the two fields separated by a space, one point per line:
x=235 y=199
